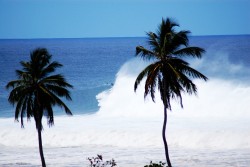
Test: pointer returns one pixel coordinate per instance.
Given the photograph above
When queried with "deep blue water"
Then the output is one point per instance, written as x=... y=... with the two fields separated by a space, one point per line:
x=90 y=65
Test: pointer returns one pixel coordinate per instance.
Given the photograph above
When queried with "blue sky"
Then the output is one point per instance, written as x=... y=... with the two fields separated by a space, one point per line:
x=119 y=18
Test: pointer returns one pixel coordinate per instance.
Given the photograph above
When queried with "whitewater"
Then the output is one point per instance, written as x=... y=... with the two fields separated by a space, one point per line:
x=212 y=130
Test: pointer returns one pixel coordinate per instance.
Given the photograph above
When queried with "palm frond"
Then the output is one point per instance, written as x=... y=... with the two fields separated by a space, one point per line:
x=145 y=53
x=142 y=75
x=182 y=67
x=30 y=107
x=151 y=80
x=40 y=56
x=190 y=51
x=188 y=85
x=175 y=92
x=178 y=39
x=16 y=94
x=13 y=84
x=166 y=31
x=55 y=100
x=153 y=41
x=18 y=108
x=57 y=80
x=50 y=115
x=50 y=68
x=192 y=72
x=23 y=110
x=59 y=91
x=26 y=66
x=173 y=88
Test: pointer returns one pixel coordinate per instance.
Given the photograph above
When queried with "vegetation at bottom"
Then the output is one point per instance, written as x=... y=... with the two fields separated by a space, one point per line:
x=160 y=164
x=99 y=162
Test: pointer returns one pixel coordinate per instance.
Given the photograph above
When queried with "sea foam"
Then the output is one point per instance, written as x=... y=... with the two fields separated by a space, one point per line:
x=217 y=118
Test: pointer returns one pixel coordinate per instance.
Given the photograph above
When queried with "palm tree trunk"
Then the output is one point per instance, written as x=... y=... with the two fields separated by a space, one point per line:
x=165 y=103
x=164 y=137
x=39 y=131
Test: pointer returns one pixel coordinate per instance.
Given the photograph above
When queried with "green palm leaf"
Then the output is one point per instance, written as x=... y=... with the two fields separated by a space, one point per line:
x=36 y=90
x=190 y=51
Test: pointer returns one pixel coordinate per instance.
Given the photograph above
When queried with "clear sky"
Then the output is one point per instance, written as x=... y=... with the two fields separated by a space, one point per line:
x=119 y=18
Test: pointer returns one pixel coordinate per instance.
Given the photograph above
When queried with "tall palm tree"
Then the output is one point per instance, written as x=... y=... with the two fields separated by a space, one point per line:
x=36 y=91
x=168 y=71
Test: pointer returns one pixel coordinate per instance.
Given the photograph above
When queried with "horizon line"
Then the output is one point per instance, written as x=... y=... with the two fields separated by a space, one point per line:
x=39 y=38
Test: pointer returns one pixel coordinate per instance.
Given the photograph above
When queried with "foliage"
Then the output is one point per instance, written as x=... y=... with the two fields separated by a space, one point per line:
x=99 y=162
x=160 y=164
x=36 y=91
x=169 y=72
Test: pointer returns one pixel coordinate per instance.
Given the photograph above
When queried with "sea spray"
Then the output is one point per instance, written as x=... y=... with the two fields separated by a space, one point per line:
x=122 y=101
x=217 y=118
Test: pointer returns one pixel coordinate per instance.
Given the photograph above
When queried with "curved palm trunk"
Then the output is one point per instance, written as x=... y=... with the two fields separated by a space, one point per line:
x=164 y=137
x=39 y=131
x=165 y=103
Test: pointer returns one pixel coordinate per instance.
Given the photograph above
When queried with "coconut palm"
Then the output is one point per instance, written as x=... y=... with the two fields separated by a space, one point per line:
x=168 y=71
x=36 y=91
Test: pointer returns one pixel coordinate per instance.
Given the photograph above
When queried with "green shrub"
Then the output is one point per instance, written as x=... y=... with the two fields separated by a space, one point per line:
x=160 y=164
x=99 y=162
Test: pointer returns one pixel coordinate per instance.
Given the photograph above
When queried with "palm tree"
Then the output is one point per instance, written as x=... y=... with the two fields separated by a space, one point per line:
x=168 y=72
x=36 y=91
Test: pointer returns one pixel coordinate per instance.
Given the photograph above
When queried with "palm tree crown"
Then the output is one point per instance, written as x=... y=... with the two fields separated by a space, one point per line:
x=36 y=91
x=167 y=49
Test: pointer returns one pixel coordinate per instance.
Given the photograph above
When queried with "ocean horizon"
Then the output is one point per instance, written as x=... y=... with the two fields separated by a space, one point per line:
x=113 y=37
x=109 y=118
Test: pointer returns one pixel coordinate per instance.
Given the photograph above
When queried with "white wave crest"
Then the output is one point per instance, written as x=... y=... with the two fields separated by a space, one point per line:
x=217 y=118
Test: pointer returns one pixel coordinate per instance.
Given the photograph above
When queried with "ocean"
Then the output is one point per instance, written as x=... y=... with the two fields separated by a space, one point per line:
x=109 y=118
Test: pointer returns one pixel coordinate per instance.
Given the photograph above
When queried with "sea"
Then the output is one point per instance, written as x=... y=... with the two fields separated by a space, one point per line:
x=110 y=119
